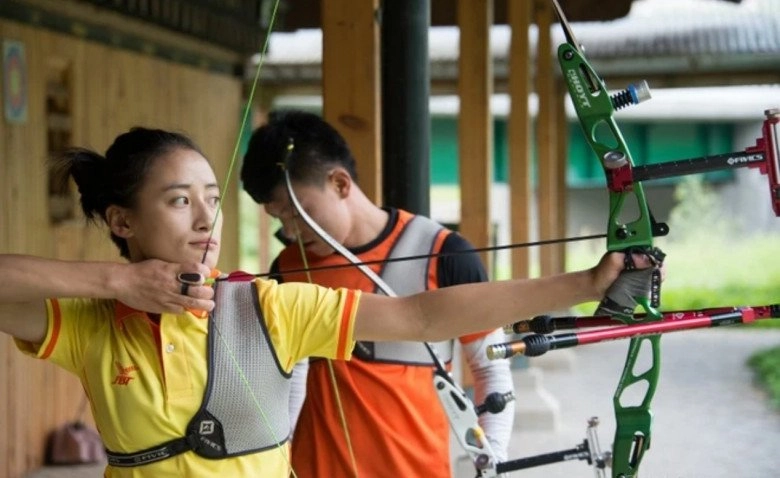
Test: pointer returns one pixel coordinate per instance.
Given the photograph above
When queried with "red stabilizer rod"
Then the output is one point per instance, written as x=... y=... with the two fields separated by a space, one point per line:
x=537 y=344
x=546 y=324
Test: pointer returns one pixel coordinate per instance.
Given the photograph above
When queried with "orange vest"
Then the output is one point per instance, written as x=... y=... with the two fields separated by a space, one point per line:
x=395 y=422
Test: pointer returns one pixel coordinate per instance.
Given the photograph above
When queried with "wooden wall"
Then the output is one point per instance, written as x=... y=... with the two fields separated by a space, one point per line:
x=112 y=90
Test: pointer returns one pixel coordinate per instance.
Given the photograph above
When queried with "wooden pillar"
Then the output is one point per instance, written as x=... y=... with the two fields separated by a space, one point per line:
x=549 y=193
x=475 y=123
x=265 y=224
x=519 y=134
x=350 y=84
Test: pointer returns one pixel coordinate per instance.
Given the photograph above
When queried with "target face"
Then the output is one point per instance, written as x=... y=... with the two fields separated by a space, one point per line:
x=14 y=82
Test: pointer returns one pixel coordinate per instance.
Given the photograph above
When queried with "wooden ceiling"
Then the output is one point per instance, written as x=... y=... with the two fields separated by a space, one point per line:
x=298 y=14
x=227 y=32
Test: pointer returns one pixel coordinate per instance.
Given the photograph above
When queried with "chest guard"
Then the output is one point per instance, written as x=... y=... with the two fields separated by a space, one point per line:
x=245 y=404
x=406 y=278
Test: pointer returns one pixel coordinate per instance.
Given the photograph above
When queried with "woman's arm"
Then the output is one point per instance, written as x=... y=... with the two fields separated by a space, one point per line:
x=149 y=285
x=462 y=309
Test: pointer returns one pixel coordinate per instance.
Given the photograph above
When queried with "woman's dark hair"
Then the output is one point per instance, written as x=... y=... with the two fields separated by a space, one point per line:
x=317 y=148
x=115 y=179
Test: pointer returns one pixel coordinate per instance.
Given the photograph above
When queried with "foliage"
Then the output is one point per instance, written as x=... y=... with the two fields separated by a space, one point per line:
x=709 y=261
x=709 y=266
x=250 y=240
x=698 y=214
x=766 y=365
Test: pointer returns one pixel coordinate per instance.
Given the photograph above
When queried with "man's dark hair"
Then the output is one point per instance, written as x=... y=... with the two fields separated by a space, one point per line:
x=300 y=141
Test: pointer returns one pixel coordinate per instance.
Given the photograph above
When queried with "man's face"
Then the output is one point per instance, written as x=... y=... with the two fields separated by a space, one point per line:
x=323 y=203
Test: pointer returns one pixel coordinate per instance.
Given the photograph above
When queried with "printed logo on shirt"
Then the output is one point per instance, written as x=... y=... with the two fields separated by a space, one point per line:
x=124 y=377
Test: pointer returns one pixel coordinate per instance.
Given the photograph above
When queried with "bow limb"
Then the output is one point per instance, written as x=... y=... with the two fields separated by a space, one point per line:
x=459 y=409
x=595 y=108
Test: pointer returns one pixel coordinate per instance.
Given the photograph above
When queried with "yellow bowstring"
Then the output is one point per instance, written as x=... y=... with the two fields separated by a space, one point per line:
x=225 y=186
x=331 y=370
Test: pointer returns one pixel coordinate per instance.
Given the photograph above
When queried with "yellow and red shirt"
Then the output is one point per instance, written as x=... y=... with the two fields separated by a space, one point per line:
x=145 y=380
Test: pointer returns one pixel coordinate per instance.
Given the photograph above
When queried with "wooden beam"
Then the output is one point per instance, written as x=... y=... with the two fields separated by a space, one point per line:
x=106 y=26
x=475 y=124
x=306 y=13
x=351 y=84
x=519 y=134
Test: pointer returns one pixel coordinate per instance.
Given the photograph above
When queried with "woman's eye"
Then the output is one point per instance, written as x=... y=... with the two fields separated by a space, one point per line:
x=214 y=201
x=180 y=201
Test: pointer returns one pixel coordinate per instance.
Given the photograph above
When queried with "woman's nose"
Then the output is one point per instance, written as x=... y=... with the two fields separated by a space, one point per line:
x=204 y=216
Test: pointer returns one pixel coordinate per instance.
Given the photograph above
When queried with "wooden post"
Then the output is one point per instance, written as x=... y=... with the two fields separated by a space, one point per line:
x=475 y=122
x=351 y=86
x=519 y=134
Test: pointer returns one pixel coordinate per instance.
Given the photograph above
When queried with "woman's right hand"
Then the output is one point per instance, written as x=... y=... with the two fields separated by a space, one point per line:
x=154 y=286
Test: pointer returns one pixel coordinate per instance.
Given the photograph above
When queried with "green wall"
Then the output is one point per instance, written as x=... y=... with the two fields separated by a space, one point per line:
x=648 y=143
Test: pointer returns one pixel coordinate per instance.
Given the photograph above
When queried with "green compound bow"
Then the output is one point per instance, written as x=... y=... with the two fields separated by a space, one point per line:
x=595 y=108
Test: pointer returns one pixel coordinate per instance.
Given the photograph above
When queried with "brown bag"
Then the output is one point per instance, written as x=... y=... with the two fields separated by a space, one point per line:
x=74 y=443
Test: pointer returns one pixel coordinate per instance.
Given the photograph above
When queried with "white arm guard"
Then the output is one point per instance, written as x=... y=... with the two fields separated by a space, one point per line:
x=297 y=391
x=492 y=376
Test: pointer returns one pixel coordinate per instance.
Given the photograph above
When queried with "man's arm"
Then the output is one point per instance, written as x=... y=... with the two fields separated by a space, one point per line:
x=297 y=391
x=460 y=264
x=490 y=376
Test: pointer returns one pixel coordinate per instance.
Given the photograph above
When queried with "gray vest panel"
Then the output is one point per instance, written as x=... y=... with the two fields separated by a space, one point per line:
x=245 y=404
x=252 y=408
x=406 y=278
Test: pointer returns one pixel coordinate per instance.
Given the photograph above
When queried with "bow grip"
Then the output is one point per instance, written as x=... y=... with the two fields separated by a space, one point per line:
x=634 y=287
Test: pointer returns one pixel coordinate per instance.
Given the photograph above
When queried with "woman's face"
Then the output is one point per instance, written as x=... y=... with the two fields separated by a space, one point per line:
x=175 y=211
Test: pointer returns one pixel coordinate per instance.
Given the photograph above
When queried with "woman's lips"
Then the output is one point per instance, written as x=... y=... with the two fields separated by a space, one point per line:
x=205 y=244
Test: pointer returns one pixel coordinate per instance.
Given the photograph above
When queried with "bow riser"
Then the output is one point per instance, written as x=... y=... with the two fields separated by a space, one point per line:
x=632 y=433
x=594 y=109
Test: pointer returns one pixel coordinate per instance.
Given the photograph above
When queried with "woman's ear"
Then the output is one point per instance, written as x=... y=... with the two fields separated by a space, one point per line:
x=341 y=180
x=116 y=218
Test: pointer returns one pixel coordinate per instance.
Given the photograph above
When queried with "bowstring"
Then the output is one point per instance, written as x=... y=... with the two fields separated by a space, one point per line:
x=433 y=255
x=225 y=187
x=244 y=118
x=307 y=270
